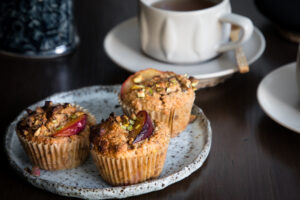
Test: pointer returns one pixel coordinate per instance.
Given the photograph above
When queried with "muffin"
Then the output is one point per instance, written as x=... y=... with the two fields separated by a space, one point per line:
x=166 y=96
x=129 y=150
x=56 y=137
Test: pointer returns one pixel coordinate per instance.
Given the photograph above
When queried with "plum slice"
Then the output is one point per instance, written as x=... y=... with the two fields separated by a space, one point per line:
x=142 y=128
x=73 y=127
x=146 y=74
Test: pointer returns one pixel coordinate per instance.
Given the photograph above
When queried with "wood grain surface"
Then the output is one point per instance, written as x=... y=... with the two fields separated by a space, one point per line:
x=252 y=157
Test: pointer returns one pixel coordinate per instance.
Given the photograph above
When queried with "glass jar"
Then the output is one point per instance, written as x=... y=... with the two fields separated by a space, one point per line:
x=37 y=28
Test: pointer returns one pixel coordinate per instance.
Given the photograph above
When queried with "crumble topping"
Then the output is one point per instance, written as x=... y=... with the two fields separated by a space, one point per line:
x=164 y=84
x=115 y=136
x=47 y=120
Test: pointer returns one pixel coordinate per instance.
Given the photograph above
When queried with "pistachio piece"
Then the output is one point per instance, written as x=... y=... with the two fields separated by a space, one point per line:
x=136 y=87
x=59 y=128
x=37 y=132
x=138 y=79
x=158 y=89
x=141 y=93
x=74 y=116
x=173 y=80
x=125 y=123
x=150 y=91
x=195 y=83
x=137 y=126
x=123 y=127
x=133 y=116
x=169 y=90
x=129 y=128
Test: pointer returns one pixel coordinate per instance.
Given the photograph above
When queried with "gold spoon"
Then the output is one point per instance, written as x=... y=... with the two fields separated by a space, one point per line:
x=239 y=53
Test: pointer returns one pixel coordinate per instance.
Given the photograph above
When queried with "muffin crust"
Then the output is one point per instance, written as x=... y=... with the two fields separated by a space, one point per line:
x=112 y=139
x=166 y=96
x=163 y=91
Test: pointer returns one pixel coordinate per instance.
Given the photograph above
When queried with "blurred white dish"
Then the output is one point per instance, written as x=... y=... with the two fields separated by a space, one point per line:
x=277 y=95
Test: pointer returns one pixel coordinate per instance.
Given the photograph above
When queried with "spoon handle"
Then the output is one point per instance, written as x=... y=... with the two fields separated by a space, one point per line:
x=239 y=53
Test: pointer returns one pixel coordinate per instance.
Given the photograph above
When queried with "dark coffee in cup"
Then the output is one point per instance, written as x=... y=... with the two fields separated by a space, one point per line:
x=183 y=5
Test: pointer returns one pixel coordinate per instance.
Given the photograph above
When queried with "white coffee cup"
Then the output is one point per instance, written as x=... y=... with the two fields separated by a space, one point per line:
x=189 y=36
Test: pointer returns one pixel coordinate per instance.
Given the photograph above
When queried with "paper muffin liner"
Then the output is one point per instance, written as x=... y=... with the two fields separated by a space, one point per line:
x=126 y=171
x=176 y=119
x=59 y=153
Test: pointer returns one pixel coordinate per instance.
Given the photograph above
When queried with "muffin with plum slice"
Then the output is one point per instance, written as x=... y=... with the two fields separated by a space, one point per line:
x=166 y=96
x=56 y=137
x=129 y=150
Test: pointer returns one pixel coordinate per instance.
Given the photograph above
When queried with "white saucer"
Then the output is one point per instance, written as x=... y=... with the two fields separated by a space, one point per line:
x=122 y=46
x=277 y=95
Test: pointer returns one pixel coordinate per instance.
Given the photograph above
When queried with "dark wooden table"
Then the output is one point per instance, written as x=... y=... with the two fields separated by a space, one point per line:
x=252 y=157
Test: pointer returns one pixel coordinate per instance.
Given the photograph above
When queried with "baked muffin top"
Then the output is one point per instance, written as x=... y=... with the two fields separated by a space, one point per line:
x=50 y=120
x=117 y=136
x=162 y=90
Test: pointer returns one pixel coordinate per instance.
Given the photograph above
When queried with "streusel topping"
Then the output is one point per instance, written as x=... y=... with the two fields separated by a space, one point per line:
x=48 y=119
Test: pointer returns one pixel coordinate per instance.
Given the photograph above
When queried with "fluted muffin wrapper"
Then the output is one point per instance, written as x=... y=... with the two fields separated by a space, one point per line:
x=176 y=119
x=132 y=170
x=56 y=156
x=59 y=153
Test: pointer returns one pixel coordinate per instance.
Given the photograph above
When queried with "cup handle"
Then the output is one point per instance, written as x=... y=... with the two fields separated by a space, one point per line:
x=244 y=23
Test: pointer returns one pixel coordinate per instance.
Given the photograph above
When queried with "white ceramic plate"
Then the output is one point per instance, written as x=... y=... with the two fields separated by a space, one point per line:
x=278 y=96
x=122 y=46
x=186 y=153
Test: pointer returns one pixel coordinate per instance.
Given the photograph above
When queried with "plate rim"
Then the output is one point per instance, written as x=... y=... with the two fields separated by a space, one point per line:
x=218 y=74
x=105 y=193
x=260 y=101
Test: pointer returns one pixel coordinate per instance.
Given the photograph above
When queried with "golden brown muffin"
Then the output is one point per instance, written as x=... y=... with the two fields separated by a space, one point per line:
x=128 y=151
x=56 y=137
x=166 y=96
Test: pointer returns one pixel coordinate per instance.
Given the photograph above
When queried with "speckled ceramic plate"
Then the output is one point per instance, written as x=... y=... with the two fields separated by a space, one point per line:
x=186 y=153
